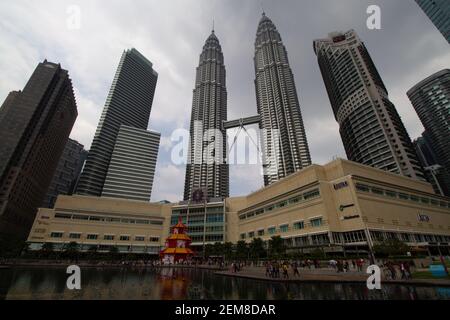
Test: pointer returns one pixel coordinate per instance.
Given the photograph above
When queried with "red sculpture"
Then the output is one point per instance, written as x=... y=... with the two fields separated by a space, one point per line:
x=177 y=245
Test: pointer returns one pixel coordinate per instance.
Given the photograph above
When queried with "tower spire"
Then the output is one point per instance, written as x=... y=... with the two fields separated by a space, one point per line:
x=212 y=25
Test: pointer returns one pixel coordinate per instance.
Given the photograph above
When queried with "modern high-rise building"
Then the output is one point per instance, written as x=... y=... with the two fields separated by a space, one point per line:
x=285 y=147
x=132 y=167
x=129 y=103
x=439 y=13
x=370 y=126
x=67 y=172
x=207 y=173
x=34 y=127
x=434 y=172
x=431 y=100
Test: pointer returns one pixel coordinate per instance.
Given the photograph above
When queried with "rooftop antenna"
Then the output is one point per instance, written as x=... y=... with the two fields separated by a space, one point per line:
x=262 y=8
x=213 y=26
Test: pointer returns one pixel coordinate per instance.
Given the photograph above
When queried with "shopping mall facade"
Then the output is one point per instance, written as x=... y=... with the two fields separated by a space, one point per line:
x=341 y=207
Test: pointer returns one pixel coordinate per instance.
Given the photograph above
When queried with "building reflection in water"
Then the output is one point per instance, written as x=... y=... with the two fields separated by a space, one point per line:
x=179 y=283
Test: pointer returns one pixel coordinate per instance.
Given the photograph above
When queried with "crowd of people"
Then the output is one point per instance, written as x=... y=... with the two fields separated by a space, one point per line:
x=393 y=270
x=276 y=269
x=346 y=266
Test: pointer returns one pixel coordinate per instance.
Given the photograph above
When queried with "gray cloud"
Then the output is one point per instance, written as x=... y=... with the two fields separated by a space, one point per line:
x=171 y=34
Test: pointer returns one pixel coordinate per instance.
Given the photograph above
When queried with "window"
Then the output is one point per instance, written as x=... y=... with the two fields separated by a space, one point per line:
x=80 y=217
x=391 y=194
x=362 y=187
x=299 y=225
x=251 y=234
x=95 y=218
x=92 y=236
x=216 y=217
x=261 y=232
x=159 y=223
x=142 y=221
x=377 y=191
x=425 y=200
x=56 y=234
x=311 y=194
x=284 y=228
x=124 y=238
x=154 y=239
x=75 y=235
x=403 y=196
x=296 y=199
x=272 y=230
x=139 y=238
x=282 y=204
x=317 y=222
x=108 y=237
x=63 y=216
x=243 y=236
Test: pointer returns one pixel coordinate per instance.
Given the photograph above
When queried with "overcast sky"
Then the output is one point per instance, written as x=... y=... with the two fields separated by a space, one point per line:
x=171 y=34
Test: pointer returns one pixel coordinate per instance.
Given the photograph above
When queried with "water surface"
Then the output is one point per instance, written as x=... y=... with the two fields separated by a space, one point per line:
x=177 y=283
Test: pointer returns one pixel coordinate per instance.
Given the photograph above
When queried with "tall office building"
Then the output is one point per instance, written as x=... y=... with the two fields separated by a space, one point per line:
x=431 y=100
x=371 y=129
x=132 y=167
x=207 y=173
x=67 y=172
x=439 y=13
x=34 y=127
x=129 y=103
x=285 y=147
x=434 y=172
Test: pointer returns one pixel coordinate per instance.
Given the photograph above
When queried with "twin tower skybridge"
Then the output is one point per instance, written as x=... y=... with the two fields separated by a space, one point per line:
x=241 y=123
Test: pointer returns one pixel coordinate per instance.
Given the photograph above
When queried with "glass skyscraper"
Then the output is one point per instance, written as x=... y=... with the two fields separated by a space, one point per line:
x=129 y=103
x=207 y=173
x=35 y=125
x=285 y=147
x=371 y=129
x=439 y=13
x=431 y=100
x=132 y=167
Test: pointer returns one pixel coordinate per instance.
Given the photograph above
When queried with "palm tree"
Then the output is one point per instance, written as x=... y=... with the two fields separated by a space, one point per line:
x=257 y=248
x=47 y=249
x=228 y=250
x=277 y=247
x=113 y=252
x=92 y=252
x=218 y=249
x=209 y=250
x=241 y=249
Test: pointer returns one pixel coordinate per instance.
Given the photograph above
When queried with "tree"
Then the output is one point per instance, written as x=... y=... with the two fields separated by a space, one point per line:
x=228 y=250
x=257 y=249
x=47 y=249
x=209 y=250
x=277 y=248
x=71 y=249
x=390 y=247
x=92 y=252
x=241 y=249
x=113 y=252
x=218 y=249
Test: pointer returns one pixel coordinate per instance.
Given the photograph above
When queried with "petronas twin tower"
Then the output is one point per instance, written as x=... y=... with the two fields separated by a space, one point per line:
x=284 y=144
